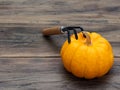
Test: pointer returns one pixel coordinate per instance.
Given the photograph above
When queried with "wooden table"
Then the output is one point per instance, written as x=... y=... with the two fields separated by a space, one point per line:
x=29 y=61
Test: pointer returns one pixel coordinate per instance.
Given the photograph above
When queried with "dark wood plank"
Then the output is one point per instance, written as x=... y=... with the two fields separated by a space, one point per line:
x=49 y=73
x=61 y=12
x=29 y=61
x=20 y=41
x=30 y=7
x=29 y=42
x=21 y=23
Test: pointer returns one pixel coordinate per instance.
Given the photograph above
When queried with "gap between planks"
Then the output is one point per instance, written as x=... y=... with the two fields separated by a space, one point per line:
x=39 y=57
x=30 y=56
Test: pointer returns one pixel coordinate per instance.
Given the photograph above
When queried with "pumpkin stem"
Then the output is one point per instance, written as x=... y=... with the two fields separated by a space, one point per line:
x=88 y=39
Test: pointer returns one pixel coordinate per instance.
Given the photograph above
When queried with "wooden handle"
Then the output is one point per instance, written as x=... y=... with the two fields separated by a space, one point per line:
x=52 y=31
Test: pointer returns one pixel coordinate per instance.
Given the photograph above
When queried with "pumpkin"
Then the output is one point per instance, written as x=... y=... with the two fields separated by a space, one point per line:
x=89 y=57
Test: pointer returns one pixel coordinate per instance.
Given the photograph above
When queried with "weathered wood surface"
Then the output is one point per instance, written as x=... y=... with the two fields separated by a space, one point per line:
x=21 y=23
x=29 y=61
x=48 y=73
x=29 y=42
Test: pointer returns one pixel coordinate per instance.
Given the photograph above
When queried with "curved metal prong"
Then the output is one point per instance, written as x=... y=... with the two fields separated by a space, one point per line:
x=75 y=32
x=81 y=29
x=68 y=32
x=69 y=28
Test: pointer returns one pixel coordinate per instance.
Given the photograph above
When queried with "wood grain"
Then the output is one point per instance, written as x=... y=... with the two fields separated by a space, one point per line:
x=60 y=12
x=49 y=73
x=29 y=42
x=21 y=23
x=29 y=61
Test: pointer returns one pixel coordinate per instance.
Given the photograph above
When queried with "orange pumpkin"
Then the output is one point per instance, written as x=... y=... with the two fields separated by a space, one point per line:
x=88 y=57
